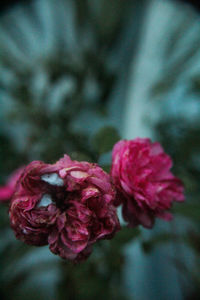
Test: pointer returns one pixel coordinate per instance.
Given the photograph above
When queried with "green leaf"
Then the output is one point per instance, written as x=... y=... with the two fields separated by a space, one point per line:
x=190 y=211
x=195 y=84
x=126 y=235
x=104 y=140
x=106 y=168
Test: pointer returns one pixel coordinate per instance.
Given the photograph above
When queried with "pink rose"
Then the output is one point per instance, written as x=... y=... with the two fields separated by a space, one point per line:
x=146 y=187
x=8 y=189
x=68 y=205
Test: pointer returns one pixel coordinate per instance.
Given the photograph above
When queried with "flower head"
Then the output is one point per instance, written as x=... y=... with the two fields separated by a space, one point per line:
x=7 y=191
x=68 y=205
x=146 y=187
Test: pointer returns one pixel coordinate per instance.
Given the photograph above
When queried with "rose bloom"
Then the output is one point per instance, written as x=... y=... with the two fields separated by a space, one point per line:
x=67 y=205
x=7 y=191
x=146 y=187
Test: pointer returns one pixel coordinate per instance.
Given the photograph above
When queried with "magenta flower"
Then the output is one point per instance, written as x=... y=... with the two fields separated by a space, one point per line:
x=146 y=187
x=7 y=191
x=68 y=205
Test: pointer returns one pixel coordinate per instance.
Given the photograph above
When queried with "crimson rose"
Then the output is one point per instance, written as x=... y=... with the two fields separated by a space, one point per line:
x=68 y=205
x=146 y=187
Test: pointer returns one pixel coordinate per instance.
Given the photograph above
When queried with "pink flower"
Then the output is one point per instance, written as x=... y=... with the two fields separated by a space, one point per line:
x=8 y=189
x=68 y=205
x=146 y=187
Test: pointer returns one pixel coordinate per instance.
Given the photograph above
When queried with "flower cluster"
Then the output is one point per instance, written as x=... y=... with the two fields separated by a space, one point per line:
x=67 y=205
x=70 y=205
x=145 y=184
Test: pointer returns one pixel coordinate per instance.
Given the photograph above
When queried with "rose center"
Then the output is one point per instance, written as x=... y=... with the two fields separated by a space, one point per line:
x=56 y=192
x=53 y=179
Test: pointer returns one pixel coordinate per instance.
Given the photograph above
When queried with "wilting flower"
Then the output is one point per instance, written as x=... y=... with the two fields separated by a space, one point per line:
x=7 y=191
x=68 y=205
x=146 y=187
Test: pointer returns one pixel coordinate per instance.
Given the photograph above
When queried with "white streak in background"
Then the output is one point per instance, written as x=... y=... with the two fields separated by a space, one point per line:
x=45 y=201
x=140 y=116
x=53 y=179
x=150 y=66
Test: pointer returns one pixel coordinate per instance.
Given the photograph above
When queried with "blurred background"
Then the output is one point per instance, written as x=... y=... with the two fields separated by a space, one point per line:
x=75 y=76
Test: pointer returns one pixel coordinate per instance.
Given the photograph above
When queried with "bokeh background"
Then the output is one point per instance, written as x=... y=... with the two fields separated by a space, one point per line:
x=75 y=76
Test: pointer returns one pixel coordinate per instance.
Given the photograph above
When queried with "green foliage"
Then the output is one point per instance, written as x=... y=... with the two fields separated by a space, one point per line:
x=189 y=210
x=125 y=236
x=106 y=168
x=195 y=84
x=10 y=159
x=56 y=124
x=46 y=119
x=158 y=239
x=101 y=273
x=92 y=278
x=177 y=65
x=104 y=140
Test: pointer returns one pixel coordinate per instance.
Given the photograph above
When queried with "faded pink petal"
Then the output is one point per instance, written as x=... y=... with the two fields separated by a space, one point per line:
x=7 y=191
